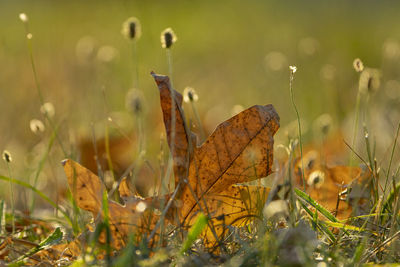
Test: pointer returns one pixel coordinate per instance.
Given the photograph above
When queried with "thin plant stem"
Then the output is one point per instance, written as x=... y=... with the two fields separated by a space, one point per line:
x=299 y=126
x=37 y=191
x=41 y=98
x=136 y=84
x=41 y=165
x=391 y=158
x=136 y=63
x=12 y=197
x=355 y=129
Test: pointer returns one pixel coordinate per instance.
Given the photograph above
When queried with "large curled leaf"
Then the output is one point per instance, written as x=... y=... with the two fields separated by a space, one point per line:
x=239 y=150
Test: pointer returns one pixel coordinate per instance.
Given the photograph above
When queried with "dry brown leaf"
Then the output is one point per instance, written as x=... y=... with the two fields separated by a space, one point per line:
x=328 y=185
x=124 y=189
x=239 y=150
x=87 y=191
x=120 y=151
x=236 y=206
x=184 y=140
x=57 y=253
x=86 y=187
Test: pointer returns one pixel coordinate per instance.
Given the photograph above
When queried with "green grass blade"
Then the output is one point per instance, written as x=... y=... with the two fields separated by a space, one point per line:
x=390 y=198
x=313 y=203
x=194 y=232
x=53 y=238
x=2 y=217
x=42 y=162
x=46 y=198
x=344 y=226
x=318 y=225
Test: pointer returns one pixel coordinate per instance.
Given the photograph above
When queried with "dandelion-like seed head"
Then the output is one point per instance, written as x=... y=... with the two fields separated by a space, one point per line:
x=36 y=126
x=358 y=65
x=293 y=69
x=141 y=206
x=168 y=38
x=7 y=156
x=370 y=80
x=323 y=124
x=316 y=179
x=276 y=208
x=48 y=109
x=131 y=29
x=190 y=95
x=134 y=101
x=23 y=17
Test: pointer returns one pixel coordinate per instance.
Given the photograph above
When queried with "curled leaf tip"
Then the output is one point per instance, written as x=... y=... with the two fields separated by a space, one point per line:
x=161 y=79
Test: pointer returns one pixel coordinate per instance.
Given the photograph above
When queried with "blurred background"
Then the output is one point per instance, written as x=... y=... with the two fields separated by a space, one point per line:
x=235 y=54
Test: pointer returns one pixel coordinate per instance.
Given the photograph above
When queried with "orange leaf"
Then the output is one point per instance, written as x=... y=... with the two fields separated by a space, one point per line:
x=238 y=151
x=183 y=140
x=135 y=216
x=326 y=184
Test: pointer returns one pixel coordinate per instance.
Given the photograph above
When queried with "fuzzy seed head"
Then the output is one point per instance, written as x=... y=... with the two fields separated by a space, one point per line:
x=370 y=80
x=36 y=126
x=316 y=179
x=276 y=208
x=358 y=65
x=134 y=101
x=131 y=29
x=7 y=156
x=168 y=38
x=48 y=109
x=23 y=17
x=141 y=206
x=190 y=95
x=323 y=124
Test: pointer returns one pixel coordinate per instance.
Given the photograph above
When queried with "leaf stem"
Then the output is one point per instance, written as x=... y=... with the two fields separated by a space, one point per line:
x=299 y=126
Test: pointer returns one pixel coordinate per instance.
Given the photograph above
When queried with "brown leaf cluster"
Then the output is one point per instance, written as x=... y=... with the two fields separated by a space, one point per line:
x=209 y=178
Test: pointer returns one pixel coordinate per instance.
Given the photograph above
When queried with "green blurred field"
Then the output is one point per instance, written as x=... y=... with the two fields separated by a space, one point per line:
x=231 y=52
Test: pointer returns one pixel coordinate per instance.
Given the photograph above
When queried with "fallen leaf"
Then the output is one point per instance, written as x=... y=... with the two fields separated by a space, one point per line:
x=239 y=150
x=86 y=187
x=87 y=191
x=180 y=140
x=237 y=206
x=328 y=185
